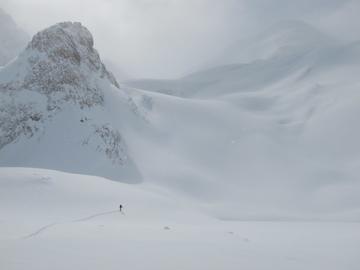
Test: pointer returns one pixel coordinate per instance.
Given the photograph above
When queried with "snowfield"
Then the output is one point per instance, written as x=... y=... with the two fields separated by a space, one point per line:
x=55 y=220
x=249 y=164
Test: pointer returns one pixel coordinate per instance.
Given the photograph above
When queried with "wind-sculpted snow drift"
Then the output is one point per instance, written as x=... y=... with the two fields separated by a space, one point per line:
x=55 y=111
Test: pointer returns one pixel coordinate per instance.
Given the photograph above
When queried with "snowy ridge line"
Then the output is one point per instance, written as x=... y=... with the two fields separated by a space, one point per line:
x=42 y=229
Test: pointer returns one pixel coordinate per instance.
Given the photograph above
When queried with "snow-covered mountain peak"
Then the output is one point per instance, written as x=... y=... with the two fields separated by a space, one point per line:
x=58 y=92
x=68 y=44
x=4 y=17
x=61 y=63
x=56 y=35
x=12 y=38
x=66 y=41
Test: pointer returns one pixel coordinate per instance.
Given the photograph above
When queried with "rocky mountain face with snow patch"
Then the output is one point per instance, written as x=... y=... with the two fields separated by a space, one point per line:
x=61 y=72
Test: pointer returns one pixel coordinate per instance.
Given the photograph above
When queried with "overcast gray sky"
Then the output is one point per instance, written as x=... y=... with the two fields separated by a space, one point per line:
x=167 y=38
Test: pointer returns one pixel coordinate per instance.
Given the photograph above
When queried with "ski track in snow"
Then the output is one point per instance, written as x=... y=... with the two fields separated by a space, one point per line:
x=42 y=229
x=39 y=230
x=94 y=216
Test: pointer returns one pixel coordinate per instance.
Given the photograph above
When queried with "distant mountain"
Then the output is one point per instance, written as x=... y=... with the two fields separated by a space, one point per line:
x=12 y=38
x=286 y=50
x=118 y=72
x=284 y=37
x=58 y=104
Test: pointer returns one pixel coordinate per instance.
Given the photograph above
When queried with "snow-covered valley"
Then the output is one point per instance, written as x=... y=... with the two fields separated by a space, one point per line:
x=252 y=162
x=56 y=220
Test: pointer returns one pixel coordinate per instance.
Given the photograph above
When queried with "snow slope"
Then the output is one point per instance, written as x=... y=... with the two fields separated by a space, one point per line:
x=12 y=38
x=276 y=138
x=56 y=220
x=284 y=37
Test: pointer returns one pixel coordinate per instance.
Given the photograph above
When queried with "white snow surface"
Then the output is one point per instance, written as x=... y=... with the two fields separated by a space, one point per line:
x=55 y=220
x=273 y=139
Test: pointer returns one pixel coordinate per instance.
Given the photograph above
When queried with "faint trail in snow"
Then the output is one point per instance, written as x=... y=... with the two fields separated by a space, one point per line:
x=93 y=216
x=39 y=231
x=42 y=229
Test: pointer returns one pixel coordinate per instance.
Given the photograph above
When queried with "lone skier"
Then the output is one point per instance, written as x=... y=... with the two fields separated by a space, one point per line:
x=120 y=207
